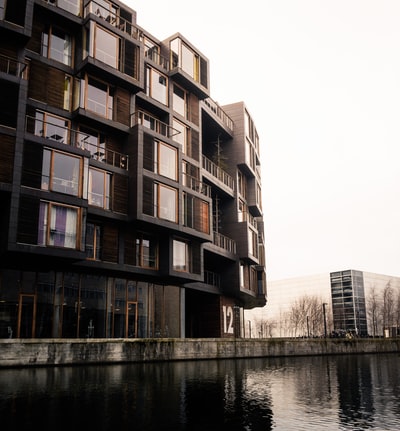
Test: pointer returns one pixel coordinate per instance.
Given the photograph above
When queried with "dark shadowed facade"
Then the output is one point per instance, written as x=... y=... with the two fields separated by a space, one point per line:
x=130 y=200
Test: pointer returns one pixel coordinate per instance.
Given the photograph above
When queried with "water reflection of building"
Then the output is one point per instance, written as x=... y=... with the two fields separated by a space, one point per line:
x=130 y=200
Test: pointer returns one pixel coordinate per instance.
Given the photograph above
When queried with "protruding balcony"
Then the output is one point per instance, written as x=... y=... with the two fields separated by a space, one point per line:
x=219 y=112
x=196 y=185
x=152 y=123
x=13 y=67
x=69 y=136
x=218 y=176
x=224 y=242
x=107 y=11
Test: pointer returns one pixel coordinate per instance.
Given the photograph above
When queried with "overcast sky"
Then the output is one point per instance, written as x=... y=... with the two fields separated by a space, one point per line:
x=321 y=80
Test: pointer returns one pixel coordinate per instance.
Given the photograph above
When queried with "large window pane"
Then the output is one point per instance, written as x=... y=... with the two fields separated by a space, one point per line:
x=157 y=86
x=99 y=188
x=180 y=256
x=58 y=225
x=167 y=160
x=61 y=172
x=167 y=198
x=106 y=47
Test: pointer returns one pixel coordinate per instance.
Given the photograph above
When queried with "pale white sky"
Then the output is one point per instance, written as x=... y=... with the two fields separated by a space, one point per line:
x=321 y=80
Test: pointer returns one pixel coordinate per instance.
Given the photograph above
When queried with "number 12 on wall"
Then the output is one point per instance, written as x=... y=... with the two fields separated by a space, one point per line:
x=227 y=312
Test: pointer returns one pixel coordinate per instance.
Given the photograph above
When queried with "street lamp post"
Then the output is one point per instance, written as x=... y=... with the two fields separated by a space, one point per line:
x=324 y=311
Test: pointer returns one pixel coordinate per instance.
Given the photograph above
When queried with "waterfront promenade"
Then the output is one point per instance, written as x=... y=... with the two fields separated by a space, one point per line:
x=55 y=352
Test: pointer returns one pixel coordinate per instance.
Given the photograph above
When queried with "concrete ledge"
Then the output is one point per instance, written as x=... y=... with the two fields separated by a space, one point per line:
x=52 y=352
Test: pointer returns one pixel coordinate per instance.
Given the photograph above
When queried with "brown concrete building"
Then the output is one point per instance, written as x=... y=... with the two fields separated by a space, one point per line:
x=130 y=200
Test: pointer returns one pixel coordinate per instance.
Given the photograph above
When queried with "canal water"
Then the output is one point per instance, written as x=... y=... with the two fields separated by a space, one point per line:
x=351 y=392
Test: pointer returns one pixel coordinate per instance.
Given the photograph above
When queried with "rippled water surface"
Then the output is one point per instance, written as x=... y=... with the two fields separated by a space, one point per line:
x=356 y=392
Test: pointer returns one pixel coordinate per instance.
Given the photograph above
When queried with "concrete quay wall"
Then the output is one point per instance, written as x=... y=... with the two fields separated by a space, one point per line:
x=56 y=352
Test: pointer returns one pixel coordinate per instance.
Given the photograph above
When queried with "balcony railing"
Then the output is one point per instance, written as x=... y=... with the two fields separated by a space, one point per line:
x=212 y=278
x=218 y=173
x=247 y=217
x=75 y=138
x=224 y=242
x=157 y=58
x=112 y=18
x=219 y=112
x=196 y=185
x=13 y=67
x=153 y=123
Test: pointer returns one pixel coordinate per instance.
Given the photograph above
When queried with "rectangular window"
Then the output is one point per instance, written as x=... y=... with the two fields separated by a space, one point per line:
x=179 y=101
x=242 y=184
x=61 y=172
x=253 y=243
x=98 y=97
x=181 y=137
x=180 y=256
x=72 y=6
x=196 y=213
x=166 y=199
x=165 y=160
x=156 y=85
x=57 y=45
x=106 y=47
x=51 y=127
x=146 y=253
x=93 y=241
x=92 y=141
x=182 y=56
x=99 y=188
x=242 y=211
x=58 y=225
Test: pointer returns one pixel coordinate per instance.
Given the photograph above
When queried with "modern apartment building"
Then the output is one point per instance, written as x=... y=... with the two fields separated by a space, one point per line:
x=130 y=200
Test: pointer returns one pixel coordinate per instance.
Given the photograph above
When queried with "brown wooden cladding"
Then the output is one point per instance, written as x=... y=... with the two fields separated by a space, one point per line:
x=122 y=109
x=194 y=109
x=129 y=248
x=120 y=194
x=110 y=243
x=46 y=84
x=194 y=145
x=7 y=148
x=32 y=165
x=28 y=220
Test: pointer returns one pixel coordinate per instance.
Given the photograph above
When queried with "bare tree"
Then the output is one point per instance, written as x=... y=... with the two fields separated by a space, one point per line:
x=265 y=327
x=306 y=316
x=388 y=306
x=373 y=306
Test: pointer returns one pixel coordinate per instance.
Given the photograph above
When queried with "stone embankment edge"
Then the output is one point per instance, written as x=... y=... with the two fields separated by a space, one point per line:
x=57 y=352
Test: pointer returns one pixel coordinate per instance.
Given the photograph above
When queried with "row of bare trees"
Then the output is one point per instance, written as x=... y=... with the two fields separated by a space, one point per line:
x=307 y=316
x=383 y=310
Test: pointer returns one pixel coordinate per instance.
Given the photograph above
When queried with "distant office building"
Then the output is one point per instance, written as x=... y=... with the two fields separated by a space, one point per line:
x=360 y=302
x=130 y=200
x=349 y=309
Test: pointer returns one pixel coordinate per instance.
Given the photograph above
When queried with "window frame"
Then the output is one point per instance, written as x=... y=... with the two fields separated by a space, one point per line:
x=180 y=255
x=73 y=182
x=141 y=258
x=151 y=90
x=171 y=213
x=103 y=199
x=93 y=243
x=48 y=225
x=49 y=38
